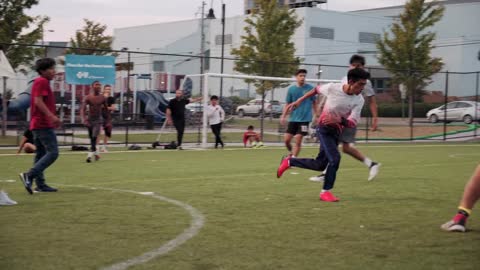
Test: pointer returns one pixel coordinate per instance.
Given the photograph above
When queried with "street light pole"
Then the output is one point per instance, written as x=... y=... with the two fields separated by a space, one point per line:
x=128 y=77
x=223 y=51
x=202 y=46
x=45 y=49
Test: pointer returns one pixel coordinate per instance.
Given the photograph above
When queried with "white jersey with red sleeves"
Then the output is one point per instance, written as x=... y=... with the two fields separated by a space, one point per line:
x=339 y=104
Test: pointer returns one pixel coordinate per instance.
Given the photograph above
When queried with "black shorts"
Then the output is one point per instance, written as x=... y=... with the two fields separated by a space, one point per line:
x=298 y=128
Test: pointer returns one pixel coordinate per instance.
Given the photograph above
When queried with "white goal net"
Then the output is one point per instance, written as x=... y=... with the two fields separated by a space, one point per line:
x=240 y=101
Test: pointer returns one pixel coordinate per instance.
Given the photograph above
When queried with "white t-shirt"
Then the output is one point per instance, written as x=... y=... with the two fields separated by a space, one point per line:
x=215 y=114
x=367 y=90
x=338 y=104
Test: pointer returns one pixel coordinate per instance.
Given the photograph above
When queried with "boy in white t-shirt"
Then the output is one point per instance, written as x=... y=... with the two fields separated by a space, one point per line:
x=216 y=116
x=342 y=110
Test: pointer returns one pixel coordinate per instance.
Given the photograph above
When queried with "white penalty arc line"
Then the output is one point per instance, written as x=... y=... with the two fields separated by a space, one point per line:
x=197 y=222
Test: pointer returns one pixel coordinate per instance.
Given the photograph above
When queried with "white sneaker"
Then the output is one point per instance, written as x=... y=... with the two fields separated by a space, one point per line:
x=5 y=200
x=318 y=178
x=104 y=149
x=374 y=170
x=451 y=226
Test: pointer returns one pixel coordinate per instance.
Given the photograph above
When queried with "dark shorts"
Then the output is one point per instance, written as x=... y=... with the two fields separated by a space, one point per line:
x=94 y=128
x=107 y=128
x=298 y=128
x=348 y=135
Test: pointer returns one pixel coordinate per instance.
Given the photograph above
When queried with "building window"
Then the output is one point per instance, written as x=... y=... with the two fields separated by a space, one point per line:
x=158 y=66
x=365 y=37
x=323 y=33
x=228 y=39
x=380 y=85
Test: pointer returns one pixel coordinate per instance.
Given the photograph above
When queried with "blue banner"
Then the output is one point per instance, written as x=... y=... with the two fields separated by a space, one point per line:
x=85 y=69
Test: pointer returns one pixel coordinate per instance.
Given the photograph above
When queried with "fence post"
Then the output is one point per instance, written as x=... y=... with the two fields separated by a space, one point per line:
x=445 y=106
x=368 y=113
x=126 y=134
x=476 y=104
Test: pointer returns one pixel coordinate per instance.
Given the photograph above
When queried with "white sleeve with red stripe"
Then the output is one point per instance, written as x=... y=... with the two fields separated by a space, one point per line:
x=323 y=89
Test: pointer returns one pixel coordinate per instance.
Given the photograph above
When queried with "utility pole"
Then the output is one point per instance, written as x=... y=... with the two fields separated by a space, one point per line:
x=223 y=51
x=202 y=46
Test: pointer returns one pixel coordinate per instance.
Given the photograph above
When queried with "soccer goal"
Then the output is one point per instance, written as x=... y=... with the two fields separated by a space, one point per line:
x=237 y=86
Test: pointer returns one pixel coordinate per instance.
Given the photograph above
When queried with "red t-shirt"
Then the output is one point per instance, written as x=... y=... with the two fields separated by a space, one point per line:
x=41 y=88
x=247 y=135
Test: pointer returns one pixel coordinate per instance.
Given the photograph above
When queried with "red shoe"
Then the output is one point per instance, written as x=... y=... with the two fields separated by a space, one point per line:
x=327 y=196
x=284 y=165
x=97 y=157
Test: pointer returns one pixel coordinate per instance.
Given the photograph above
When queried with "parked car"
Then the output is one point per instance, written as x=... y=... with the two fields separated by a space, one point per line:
x=466 y=111
x=194 y=107
x=254 y=108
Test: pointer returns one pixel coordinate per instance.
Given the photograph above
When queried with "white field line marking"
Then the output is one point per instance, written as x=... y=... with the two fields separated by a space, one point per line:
x=198 y=220
x=8 y=181
x=462 y=155
x=246 y=149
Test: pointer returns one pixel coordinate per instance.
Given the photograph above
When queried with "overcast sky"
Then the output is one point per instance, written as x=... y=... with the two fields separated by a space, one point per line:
x=67 y=16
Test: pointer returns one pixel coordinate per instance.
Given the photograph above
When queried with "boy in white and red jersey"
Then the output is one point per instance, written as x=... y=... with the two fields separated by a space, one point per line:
x=342 y=109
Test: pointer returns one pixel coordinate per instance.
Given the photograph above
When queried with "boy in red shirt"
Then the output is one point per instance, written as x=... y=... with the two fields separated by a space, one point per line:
x=252 y=137
x=43 y=123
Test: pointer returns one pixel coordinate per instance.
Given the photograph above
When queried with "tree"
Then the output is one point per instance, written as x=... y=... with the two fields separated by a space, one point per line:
x=17 y=27
x=406 y=53
x=266 y=43
x=91 y=36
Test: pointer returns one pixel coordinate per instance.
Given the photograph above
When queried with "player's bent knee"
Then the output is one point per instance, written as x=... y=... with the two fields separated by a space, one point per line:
x=347 y=148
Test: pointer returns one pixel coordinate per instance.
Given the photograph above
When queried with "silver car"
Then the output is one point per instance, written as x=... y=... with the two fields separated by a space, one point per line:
x=466 y=111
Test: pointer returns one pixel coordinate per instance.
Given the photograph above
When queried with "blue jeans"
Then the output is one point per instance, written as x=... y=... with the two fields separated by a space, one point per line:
x=47 y=152
x=329 y=156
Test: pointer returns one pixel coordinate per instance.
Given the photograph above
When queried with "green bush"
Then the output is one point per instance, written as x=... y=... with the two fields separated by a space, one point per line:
x=395 y=109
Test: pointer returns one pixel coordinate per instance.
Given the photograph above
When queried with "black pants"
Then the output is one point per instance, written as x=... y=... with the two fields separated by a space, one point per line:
x=93 y=132
x=180 y=127
x=217 y=129
x=327 y=156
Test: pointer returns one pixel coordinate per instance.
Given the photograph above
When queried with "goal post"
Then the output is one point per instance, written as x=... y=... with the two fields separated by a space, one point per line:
x=206 y=93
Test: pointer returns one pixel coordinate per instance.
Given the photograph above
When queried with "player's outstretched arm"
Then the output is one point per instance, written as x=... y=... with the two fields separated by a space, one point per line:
x=299 y=101
x=82 y=111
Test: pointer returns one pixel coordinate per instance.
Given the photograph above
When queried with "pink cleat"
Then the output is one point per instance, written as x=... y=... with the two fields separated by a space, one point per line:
x=284 y=165
x=327 y=196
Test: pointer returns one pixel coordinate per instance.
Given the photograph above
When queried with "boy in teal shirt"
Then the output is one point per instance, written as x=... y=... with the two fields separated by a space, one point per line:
x=301 y=117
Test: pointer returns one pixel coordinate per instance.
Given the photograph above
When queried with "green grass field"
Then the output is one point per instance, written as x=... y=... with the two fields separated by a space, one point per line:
x=252 y=220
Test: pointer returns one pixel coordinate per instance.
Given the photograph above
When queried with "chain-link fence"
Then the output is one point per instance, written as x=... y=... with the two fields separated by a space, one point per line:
x=447 y=109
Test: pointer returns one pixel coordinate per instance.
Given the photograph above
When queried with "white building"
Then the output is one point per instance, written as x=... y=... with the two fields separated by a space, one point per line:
x=458 y=42
x=325 y=38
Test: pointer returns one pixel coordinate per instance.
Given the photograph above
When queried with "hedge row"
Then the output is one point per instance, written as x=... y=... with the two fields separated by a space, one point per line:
x=395 y=109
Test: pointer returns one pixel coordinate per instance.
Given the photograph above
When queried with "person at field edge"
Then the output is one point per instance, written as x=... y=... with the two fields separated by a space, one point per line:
x=107 y=116
x=216 y=116
x=342 y=109
x=252 y=137
x=43 y=122
x=470 y=196
x=300 y=118
x=348 y=136
x=27 y=143
x=176 y=114
x=97 y=105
